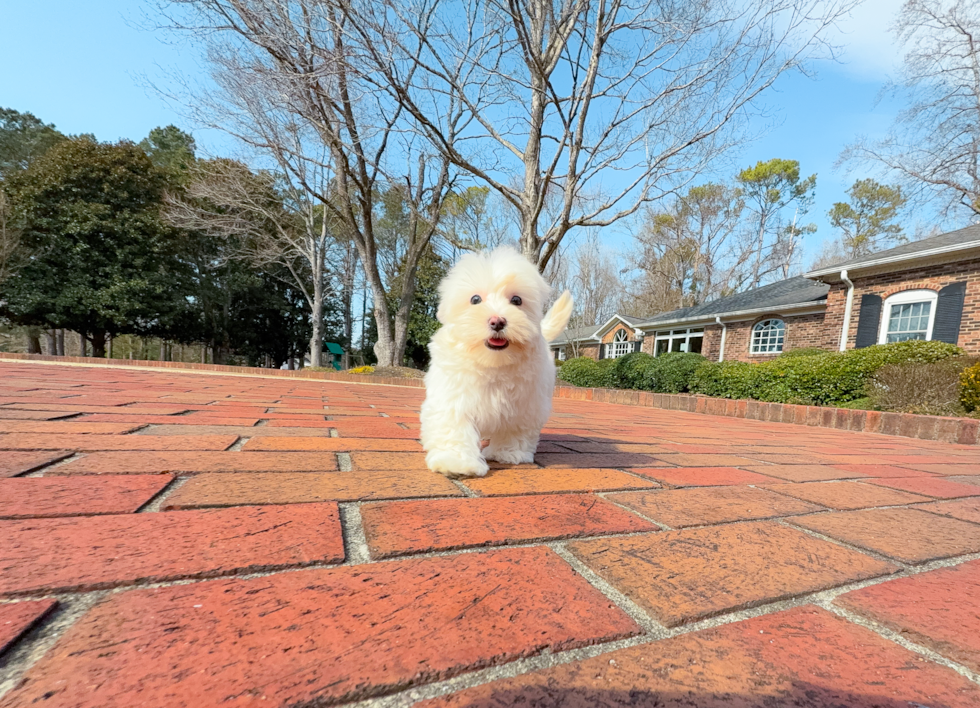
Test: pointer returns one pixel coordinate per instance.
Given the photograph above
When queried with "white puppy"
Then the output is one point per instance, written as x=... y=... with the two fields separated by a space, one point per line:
x=492 y=375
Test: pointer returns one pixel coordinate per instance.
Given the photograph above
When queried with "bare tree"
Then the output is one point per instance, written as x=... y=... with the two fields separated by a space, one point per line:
x=269 y=225
x=595 y=283
x=933 y=148
x=690 y=251
x=293 y=89
x=608 y=104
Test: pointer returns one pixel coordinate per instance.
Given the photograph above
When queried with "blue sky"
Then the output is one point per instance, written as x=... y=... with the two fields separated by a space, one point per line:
x=80 y=66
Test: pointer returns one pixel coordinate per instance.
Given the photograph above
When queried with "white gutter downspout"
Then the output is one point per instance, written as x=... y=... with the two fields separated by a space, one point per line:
x=724 y=331
x=847 y=310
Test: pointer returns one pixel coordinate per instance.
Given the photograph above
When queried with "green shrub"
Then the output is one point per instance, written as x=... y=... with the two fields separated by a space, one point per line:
x=827 y=378
x=630 y=371
x=803 y=351
x=970 y=388
x=606 y=376
x=727 y=379
x=671 y=372
x=581 y=371
x=588 y=373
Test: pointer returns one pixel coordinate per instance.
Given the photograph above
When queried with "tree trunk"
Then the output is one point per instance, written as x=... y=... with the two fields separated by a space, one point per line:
x=384 y=348
x=61 y=342
x=316 y=319
x=82 y=344
x=112 y=341
x=33 y=341
x=98 y=344
x=52 y=342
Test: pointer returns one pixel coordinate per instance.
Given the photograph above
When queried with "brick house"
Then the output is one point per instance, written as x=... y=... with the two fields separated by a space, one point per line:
x=928 y=289
x=617 y=337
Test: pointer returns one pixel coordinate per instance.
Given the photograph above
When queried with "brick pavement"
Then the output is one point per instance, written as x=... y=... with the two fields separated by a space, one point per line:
x=184 y=539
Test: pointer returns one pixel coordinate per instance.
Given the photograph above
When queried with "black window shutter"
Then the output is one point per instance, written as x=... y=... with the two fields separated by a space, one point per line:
x=602 y=351
x=949 y=312
x=869 y=320
x=636 y=345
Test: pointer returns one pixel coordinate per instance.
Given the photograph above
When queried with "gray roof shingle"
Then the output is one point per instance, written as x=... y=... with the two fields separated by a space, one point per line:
x=968 y=235
x=791 y=291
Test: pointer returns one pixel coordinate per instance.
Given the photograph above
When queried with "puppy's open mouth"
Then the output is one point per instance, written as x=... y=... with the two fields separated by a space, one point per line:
x=497 y=343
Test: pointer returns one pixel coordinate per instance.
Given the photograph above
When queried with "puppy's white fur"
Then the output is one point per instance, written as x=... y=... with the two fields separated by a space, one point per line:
x=475 y=392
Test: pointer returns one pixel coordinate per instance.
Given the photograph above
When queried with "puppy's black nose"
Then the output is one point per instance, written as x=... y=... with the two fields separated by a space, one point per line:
x=497 y=323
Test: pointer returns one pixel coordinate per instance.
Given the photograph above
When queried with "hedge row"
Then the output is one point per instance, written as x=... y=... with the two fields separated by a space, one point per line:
x=812 y=377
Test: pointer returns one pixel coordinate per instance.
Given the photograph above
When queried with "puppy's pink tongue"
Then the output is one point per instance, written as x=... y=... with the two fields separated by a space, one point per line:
x=497 y=342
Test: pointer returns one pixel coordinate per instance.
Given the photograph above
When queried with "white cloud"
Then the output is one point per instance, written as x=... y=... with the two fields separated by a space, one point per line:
x=870 y=50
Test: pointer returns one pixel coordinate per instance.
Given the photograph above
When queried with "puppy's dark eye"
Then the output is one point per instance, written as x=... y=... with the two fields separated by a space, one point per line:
x=516 y=300
x=476 y=300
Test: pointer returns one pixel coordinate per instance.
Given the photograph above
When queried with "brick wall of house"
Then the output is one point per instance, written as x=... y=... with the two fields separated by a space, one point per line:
x=928 y=278
x=801 y=331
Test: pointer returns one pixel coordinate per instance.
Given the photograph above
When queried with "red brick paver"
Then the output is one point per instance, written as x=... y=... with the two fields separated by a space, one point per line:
x=534 y=481
x=939 y=609
x=197 y=462
x=252 y=540
x=18 y=617
x=51 y=555
x=803 y=657
x=908 y=535
x=397 y=528
x=931 y=487
x=712 y=505
x=680 y=576
x=75 y=496
x=15 y=463
x=321 y=636
x=846 y=495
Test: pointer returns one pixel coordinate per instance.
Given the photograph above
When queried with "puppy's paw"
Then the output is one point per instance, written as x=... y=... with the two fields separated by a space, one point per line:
x=453 y=464
x=511 y=456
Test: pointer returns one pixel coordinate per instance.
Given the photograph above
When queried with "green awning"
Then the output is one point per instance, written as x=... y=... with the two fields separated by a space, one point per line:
x=334 y=348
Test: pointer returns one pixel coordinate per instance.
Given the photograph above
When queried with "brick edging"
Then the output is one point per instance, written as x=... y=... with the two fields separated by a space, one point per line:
x=965 y=431
x=214 y=368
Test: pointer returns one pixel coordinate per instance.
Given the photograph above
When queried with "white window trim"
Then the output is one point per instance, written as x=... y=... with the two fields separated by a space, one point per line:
x=904 y=298
x=686 y=335
x=752 y=333
x=621 y=337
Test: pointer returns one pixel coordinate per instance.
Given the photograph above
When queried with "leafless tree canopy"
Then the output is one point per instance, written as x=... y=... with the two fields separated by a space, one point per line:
x=933 y=148
x=268 y=225
x=292 y=89
x=695 y=249
x=608 y=104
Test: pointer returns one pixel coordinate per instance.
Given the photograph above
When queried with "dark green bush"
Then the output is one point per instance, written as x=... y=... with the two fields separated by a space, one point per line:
x=803 y=351
x=671 y=372
x=630 y=371
x=581 y=371
x=822 y=379
x=587 y=372
x=606 y=377
x=814 y=377
x=727 y=379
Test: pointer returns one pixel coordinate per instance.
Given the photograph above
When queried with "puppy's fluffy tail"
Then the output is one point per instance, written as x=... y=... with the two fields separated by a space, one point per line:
x=556 y=320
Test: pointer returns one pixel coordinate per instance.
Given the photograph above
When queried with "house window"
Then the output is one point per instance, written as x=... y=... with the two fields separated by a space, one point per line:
x=768 y=336
x=621 y=346
x=908 y=315
x=561 y=353
x=679 y=340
